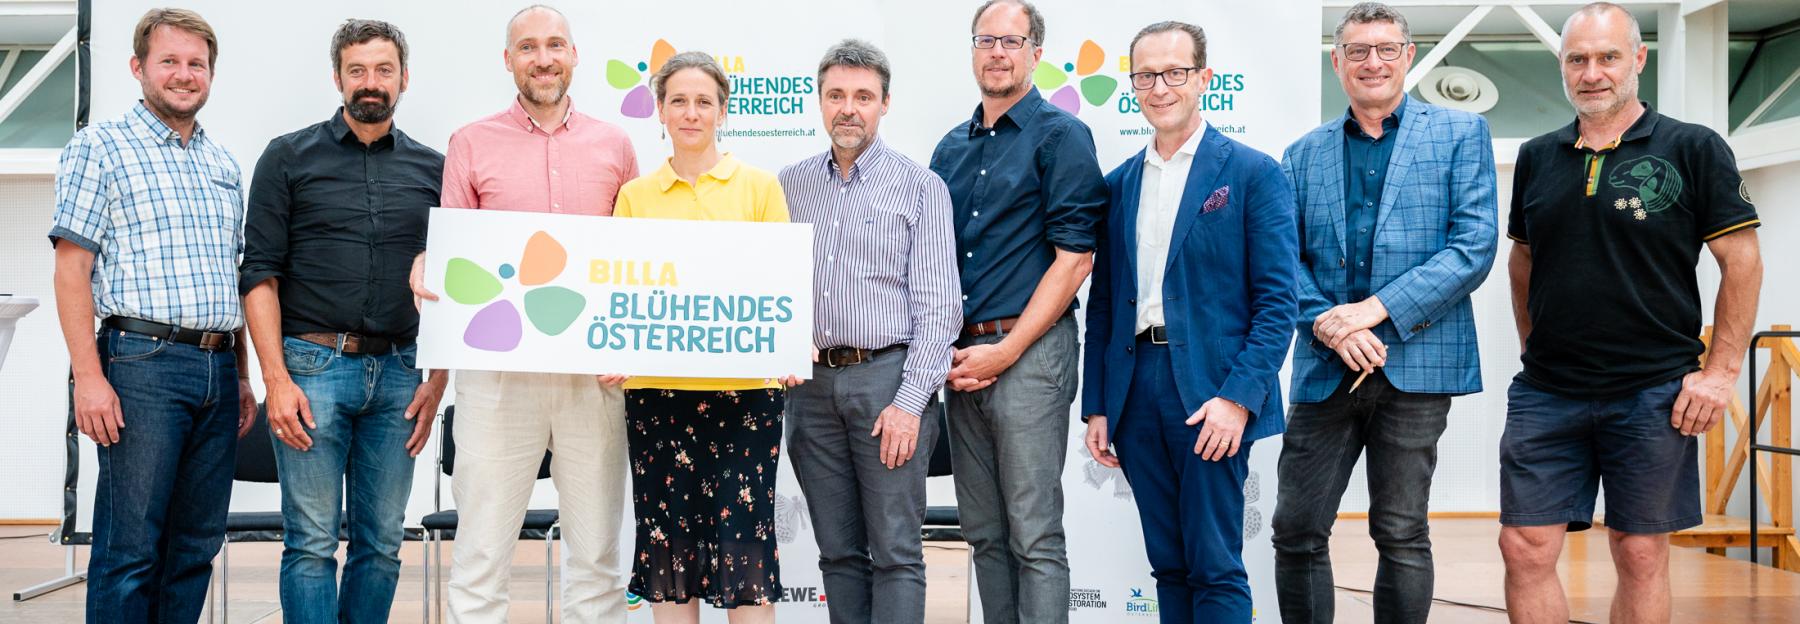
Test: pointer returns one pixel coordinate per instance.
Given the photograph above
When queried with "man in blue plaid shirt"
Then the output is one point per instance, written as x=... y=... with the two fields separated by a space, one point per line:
x=1397 y=214
x=147 y=231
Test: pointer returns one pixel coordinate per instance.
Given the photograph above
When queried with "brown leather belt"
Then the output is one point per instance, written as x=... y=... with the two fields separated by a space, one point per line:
x=839 y=357
x=353 y=343
x=989 y=328
x=205 y=340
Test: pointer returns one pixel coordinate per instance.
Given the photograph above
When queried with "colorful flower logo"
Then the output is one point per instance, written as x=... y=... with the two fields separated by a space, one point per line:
x=638 y=104
x=1094 y=87
x=497 y=327
x=633 y=601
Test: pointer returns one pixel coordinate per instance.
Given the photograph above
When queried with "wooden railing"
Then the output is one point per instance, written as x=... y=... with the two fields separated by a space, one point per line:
x=1774 y=473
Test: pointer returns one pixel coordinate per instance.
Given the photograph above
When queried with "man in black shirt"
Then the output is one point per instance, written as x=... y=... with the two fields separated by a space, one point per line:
x=337 y=212
x=1608 y=218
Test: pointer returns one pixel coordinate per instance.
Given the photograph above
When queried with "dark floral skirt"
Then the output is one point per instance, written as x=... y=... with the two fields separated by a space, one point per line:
x=703 y=487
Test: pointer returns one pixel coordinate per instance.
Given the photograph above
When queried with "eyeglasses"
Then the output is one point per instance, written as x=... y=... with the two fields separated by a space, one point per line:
x=1174 y=77
x=1010 y=42
x=1358 y=52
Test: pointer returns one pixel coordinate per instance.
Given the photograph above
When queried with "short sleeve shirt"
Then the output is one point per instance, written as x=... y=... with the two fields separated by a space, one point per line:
x=1615 y=233
x=165 y=221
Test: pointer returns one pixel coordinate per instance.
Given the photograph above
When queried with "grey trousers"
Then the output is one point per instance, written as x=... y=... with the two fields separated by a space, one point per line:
x=1009 y=442
x=865 y=517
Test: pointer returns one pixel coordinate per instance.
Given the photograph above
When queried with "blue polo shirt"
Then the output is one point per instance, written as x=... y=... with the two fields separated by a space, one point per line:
x=1020 y=190
x=1366 y=165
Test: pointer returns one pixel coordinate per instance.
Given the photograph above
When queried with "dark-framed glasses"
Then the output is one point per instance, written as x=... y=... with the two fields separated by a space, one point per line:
x=1010 y=42
x=1358 y=52
x=1174 y=77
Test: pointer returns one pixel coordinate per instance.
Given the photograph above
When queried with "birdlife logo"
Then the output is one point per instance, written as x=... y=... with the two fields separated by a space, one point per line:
x=1139 y=605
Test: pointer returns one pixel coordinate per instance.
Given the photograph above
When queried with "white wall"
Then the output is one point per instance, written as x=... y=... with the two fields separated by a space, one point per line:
x=33 y=399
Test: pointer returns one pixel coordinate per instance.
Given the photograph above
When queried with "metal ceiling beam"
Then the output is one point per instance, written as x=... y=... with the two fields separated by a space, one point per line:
x=1437 y=54
x=34 y=78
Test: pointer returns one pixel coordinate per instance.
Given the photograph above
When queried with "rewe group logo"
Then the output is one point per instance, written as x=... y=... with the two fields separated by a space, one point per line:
x=497 y=327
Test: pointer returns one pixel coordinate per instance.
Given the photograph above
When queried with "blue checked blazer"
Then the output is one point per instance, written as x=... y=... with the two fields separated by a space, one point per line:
x=1435 y=234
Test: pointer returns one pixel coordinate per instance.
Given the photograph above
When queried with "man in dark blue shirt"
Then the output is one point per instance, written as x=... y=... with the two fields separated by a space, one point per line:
x=1027 y=195
x=337 y=212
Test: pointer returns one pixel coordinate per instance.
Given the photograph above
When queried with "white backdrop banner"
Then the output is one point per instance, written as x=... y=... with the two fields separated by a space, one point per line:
x=273 y=76
x=554 y=293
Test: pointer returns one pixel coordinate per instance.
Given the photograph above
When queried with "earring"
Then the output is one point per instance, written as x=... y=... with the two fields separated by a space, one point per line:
x=663 y=133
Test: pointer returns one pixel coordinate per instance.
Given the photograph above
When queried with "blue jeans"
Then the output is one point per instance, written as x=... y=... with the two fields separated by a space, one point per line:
x=359 y=404
x=163 y=489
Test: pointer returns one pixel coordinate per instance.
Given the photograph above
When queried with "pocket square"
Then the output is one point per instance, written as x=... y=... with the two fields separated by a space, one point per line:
x=1216 y=200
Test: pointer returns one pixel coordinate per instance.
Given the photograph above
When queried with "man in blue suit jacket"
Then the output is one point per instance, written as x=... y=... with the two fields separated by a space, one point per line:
x=1188 y=320
x=1397 y=226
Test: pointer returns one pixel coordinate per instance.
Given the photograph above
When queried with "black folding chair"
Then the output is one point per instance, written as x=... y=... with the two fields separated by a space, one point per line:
x=255 y=464
x=540 y=524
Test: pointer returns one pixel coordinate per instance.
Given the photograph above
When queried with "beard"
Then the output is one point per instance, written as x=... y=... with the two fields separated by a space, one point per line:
x=1008 y=88
x=370 y=112
x=849 y=137
x=167 y=110
x=543 y=95
x=1623 y=93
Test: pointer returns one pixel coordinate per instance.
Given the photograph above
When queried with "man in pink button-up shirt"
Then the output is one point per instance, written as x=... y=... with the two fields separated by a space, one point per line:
x=538 y=155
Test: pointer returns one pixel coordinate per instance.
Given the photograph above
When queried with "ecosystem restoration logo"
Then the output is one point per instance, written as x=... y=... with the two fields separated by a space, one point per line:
x=498 y=327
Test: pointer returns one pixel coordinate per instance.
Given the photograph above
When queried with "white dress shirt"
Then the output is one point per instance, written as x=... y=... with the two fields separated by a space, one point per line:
x=1158 y=205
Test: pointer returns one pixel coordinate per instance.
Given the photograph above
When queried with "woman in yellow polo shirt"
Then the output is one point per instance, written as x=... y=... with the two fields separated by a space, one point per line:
x=703 y=451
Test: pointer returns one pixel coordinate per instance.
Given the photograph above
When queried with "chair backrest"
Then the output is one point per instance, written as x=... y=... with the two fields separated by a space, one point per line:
x=447 y=447
x=940 y=452
x=256 y=452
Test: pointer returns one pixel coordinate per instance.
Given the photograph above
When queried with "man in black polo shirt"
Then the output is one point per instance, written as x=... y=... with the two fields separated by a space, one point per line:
x=1608 y=218
x=337 y=212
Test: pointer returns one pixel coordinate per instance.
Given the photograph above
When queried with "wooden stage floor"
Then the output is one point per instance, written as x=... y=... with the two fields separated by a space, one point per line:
x=1707 y=588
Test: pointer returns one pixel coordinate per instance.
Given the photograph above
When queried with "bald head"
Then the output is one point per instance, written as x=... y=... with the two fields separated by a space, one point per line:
x=1608 y=18
x=537 y=13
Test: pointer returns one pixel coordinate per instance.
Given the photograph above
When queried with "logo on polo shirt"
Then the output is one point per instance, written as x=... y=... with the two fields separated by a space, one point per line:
x=498 y=327
x=1653 y=182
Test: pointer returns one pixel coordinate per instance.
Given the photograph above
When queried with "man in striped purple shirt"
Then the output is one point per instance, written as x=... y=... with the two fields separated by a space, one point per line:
x=888 y=307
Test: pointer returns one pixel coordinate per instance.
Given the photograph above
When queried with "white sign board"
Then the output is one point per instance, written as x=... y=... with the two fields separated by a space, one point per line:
x=556 y=293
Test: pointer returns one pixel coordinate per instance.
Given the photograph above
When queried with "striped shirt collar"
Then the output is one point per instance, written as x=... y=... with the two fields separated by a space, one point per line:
x=665 y=177
x=152 y=127
x=867 y=163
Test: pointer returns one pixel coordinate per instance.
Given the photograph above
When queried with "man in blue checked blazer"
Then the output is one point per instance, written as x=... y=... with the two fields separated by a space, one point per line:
x=1397 y=216
x=1188 y=320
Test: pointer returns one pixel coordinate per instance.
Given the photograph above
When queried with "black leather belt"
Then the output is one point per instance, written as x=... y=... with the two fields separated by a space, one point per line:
x=205 y=340
x=1156 y=334
x=839 y=357
x=352 y=343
